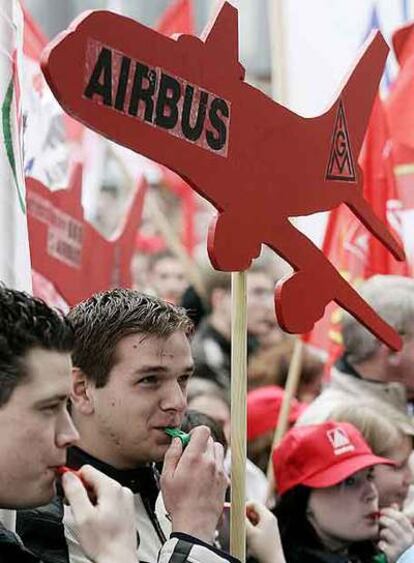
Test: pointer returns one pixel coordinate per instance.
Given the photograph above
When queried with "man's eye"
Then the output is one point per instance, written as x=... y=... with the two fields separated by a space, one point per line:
x=150 y=379
x=183 y=380
x=51 y=408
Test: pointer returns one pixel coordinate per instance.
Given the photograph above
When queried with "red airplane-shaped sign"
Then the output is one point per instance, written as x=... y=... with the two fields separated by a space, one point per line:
x=182 y=101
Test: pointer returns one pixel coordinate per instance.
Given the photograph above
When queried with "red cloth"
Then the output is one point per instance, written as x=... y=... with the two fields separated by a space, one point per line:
x=399 y=108
x=399 y=103
x=263 y=408
x=178 y=18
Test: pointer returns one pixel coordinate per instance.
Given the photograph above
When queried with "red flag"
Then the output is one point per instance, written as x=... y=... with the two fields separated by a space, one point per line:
x=348 y=244
x=68 y=251
x=178 y=18
x=400 y=113
x=399 y=104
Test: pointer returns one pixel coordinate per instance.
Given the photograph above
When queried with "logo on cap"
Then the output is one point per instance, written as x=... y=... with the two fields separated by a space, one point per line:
x=340 y=441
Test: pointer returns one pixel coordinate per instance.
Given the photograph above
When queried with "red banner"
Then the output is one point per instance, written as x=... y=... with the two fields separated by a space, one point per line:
x=68 y=251
x=400 y=113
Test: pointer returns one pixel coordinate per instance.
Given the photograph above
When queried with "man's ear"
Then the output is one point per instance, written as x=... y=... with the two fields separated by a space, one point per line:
x=81 y=393
x=392 y=358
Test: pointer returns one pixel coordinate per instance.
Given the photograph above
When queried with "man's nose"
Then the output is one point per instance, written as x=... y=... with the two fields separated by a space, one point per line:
x=66 y=433
x=174 y=398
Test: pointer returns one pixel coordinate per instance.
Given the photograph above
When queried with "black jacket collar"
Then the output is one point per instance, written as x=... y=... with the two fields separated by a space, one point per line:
x=344 y=366
x=12 y=549
x=141 y=480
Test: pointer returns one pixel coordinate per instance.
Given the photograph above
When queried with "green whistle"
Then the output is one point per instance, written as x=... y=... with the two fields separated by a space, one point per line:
x=177 y=433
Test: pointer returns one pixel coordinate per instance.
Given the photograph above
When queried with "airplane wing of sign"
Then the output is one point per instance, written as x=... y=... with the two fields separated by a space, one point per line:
x=182 y=102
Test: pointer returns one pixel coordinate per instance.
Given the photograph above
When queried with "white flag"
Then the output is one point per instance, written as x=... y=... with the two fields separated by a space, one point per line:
x=14 y=243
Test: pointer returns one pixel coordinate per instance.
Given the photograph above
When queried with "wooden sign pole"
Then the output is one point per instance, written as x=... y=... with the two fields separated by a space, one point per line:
x=238 y=415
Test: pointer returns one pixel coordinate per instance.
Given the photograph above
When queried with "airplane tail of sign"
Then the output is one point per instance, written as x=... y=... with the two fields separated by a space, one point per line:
x=361 y=86
x=367 y=71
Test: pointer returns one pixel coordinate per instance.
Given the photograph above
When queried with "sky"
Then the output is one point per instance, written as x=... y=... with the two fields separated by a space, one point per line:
x=322 y=39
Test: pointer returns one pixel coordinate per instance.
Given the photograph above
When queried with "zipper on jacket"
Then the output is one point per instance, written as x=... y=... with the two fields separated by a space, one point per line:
x=154 y=520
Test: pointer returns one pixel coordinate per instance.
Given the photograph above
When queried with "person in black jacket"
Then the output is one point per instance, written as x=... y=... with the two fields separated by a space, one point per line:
x=36 y=430
x=328 y=506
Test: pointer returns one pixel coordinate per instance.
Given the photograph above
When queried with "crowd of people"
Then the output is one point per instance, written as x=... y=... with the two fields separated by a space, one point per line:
x=85 y=399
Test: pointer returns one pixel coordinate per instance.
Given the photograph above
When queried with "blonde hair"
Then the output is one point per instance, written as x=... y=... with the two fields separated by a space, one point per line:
x=382 y=426
x=392 y=297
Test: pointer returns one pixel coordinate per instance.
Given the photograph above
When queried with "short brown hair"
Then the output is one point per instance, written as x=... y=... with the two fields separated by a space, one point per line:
x=104 y=319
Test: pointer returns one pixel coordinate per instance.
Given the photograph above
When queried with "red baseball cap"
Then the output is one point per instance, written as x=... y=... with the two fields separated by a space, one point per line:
x=263 y=408
x=321 y=455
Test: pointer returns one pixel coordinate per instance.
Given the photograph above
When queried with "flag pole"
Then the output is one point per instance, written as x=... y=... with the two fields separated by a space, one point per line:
x=279 y=89
x=238 y=414
x=277 y=35
x=291 y=387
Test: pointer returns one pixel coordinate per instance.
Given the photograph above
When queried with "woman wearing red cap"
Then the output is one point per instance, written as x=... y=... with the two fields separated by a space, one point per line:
x=328 y=506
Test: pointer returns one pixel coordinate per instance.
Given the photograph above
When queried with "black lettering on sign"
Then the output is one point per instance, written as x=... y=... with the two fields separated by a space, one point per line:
x=103 y=68
x=150 y=94
x=122 y=83
x=193 y=133
x=168 y=95
x=141 y=92
x=217 y=142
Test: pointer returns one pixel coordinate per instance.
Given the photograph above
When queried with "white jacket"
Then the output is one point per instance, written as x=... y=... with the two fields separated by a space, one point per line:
x=152 y=543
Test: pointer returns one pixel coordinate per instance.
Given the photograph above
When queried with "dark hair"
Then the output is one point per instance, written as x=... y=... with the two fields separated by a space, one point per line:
x=194 y=418
x=104 y=319
x=297 y=533
x=27 y=323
